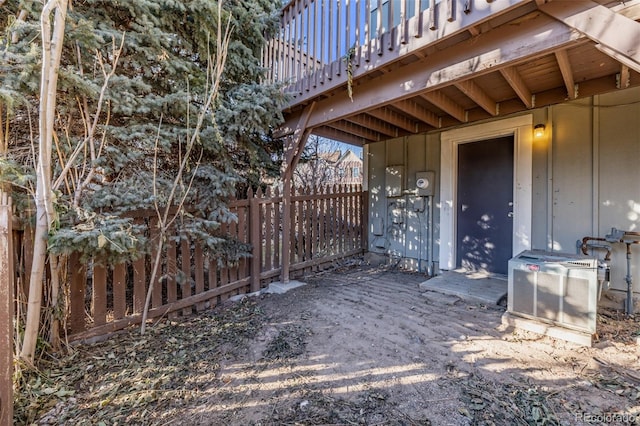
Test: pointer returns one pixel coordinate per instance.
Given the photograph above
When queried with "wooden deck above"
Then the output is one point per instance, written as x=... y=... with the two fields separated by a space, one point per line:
x=445 y=63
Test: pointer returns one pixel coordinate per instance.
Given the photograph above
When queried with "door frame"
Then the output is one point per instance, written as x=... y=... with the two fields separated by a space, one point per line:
x=521 y=128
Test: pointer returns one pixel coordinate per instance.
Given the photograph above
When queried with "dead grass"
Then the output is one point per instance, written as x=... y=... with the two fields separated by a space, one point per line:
x=216 y=368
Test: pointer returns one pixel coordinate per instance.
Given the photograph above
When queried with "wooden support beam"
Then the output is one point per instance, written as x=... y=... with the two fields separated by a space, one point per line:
x=566 y=71
x=617 y=34
x=356 y=130
x=392 y=117
x=518 y=85
x=374 y=124
x=418 y=112
x=338 y=135
x=446 y=104
x=479 y=96
x=293 y=150
x=624 y=78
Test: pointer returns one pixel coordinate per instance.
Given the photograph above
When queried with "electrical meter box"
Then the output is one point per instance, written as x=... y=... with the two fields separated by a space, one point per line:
x=393 y=181
x=425 y=183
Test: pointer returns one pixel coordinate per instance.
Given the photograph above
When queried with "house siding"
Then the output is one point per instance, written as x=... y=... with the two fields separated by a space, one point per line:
x=585 y=180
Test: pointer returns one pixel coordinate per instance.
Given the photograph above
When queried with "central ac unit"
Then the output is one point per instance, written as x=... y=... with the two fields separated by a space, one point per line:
x=557 y=288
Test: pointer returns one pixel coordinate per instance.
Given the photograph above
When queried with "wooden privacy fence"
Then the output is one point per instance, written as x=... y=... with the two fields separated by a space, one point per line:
x=327 y=224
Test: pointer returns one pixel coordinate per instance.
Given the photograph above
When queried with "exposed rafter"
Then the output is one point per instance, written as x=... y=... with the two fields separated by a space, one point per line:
x=615 y=33
x=567 y=73
x=392 y=117
x=357 y=130
x=479 y=96
x=418 y=112
x=445 y=103
x=374 y=124
x=331 y=133
x=518 y=85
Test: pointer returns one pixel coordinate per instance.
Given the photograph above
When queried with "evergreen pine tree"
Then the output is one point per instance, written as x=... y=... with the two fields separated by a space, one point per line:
x=157 y=52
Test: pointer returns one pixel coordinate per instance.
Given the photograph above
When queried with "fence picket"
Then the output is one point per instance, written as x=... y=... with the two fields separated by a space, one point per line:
x=213 y=278
x=99 y=294
x=268 y=233
x=198 y=261
x=119 y=290
x=154 y=236
x=172 y=270
x=77 y=288
x=185 y=268
x=277 y=221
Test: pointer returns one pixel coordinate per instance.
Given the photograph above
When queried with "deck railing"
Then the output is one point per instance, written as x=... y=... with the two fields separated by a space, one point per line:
x=317 y=33
x=323 y=40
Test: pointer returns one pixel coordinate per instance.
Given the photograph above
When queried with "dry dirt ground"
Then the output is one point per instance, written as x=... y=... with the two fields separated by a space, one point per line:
x=356 y=345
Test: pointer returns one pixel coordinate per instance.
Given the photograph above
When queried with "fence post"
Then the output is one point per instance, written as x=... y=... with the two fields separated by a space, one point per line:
x=256 y=239
x=6 y=311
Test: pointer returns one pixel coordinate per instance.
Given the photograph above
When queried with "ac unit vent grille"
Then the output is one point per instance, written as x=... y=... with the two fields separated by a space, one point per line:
x=581 y=264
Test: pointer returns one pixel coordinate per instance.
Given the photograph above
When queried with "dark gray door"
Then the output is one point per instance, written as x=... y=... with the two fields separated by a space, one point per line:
x=485 y=205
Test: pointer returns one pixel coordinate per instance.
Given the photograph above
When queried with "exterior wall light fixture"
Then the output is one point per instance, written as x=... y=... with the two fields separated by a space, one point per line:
x=538 y=130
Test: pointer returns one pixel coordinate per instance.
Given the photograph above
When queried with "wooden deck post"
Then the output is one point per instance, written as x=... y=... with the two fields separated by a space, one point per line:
x=6 y=311
x=293 y=150
x=256 y=239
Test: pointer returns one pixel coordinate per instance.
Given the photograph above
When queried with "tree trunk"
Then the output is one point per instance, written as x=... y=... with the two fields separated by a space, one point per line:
x=45 y=214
